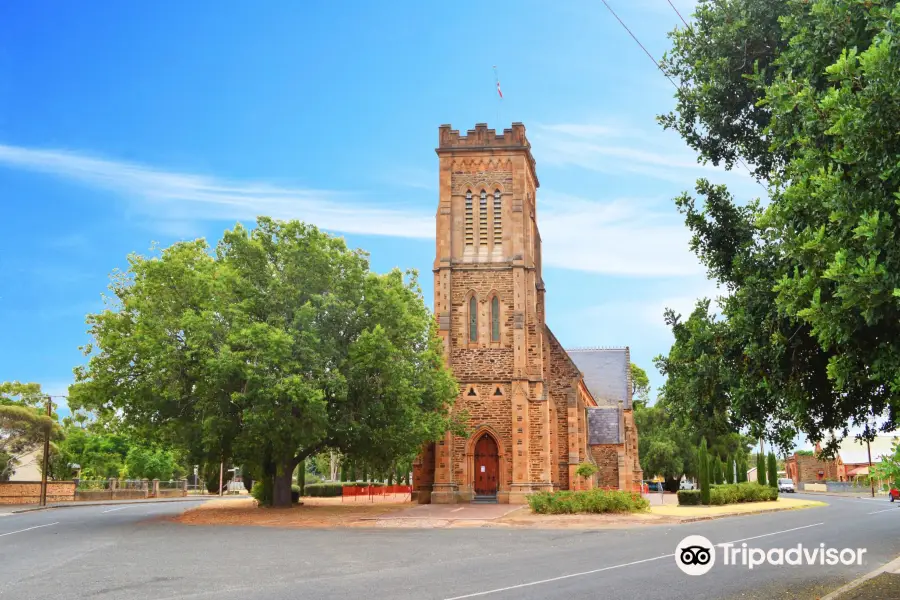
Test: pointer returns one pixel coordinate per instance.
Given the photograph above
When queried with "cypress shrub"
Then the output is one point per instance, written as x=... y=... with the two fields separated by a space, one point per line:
x=704 y=473
x=718 y=470
x=760 y=469
x=729 y=470
x=742 y=470
x=773 y=471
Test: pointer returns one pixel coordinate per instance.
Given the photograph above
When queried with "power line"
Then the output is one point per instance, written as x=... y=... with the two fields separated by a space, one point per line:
x=634 y=37
x=678 y=13
x=661 y=70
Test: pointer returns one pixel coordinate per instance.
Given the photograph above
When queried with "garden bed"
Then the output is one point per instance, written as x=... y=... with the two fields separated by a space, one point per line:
x=731 y=493
x=587 y=502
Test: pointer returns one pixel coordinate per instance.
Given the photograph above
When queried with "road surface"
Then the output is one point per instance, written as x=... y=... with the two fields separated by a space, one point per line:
x=128 y=552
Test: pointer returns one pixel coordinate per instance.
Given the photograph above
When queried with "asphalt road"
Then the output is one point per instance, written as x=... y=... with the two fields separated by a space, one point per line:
x=109 y=552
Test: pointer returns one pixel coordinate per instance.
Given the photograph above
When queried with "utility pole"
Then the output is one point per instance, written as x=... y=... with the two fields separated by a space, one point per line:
x=869 y=449
x=221 y=475
x=46 y=456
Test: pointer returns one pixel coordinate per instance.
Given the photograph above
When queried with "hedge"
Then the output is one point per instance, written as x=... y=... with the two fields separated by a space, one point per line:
x=734 y=493
x=688 y=497
x=587 y=501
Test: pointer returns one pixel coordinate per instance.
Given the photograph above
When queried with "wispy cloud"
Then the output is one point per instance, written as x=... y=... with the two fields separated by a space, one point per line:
x=177 y=197
x=617 y=148
x=624 y=236
x=647 y=311
x=619 y=236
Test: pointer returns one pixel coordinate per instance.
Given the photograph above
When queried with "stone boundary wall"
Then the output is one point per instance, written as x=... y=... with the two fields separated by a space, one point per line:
x=29 y=492
x=95 y=495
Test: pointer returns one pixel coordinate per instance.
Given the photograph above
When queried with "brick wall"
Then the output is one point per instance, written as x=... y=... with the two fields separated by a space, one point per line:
x=483 y=282
x=807 y=468
x=423 y=471
x=29 y=492
x=484 y=409
x=607 y=458
x=632 y=458
x=562 y=373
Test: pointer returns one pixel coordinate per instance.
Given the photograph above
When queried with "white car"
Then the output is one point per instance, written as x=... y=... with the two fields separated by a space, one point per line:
x=786 y=485
x=686 y=485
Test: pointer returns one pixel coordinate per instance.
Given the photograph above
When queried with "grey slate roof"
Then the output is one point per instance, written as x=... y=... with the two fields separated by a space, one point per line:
x=603 y=425
x=606 y=374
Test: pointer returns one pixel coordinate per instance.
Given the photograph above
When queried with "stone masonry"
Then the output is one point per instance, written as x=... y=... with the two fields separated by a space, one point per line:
x=526 y=399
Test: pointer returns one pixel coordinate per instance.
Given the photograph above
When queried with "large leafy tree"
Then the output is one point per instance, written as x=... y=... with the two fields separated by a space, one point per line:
x=640 y=385
x=23 y=423
x=280 y=345
x=807 y=93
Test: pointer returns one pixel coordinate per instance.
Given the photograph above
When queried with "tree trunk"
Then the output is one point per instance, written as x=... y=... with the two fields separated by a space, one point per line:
x=281 y=494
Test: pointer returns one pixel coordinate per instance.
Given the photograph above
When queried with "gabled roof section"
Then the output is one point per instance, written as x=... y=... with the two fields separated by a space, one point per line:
x=603 y=426
x=607 y=373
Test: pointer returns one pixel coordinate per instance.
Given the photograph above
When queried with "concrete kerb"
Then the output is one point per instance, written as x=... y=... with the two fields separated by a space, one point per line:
x=890 y=567
x=24 y=509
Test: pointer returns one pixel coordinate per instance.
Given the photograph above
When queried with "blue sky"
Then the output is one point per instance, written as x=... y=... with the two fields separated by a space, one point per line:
x=124 y=124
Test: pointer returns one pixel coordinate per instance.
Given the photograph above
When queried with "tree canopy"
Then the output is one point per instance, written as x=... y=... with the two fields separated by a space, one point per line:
x=23 y=423
x=276 y=347
x=807 y=94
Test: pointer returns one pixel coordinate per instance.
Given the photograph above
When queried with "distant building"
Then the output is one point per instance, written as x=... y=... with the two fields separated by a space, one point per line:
x=851 y=462
x=28 y=467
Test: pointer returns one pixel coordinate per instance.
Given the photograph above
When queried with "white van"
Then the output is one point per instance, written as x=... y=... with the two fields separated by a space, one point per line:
x=786 y=485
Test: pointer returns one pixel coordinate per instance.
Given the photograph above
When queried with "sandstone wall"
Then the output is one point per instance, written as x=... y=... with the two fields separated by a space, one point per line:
x=29 y=492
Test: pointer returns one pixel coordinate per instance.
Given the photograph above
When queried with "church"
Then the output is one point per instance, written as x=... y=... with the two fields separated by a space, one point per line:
x=535 y=410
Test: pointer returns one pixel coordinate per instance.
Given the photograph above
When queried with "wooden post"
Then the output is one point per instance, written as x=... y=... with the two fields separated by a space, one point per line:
x=46 y=461
x=221 y=475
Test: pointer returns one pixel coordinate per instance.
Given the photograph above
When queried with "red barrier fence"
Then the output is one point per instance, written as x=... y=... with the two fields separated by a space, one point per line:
x=372 y=491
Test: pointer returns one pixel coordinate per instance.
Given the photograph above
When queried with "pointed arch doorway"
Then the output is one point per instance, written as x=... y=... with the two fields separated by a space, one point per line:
x=487 y=467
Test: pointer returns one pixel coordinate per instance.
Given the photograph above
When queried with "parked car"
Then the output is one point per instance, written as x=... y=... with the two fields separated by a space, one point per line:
x=655 y=486
x=686 y=485
x=786 y=485
x=894 y=494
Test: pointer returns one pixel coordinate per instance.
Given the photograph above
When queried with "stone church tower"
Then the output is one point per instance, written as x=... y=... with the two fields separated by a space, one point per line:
x=527 y=402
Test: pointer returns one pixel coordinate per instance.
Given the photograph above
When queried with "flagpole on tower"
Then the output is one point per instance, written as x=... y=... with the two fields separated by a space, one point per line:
x=500 y=98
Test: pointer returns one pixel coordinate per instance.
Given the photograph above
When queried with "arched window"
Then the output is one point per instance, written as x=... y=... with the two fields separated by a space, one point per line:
x=498 y=210
x=473 y=319
x=483 y=220
x=470 y=233
x=495 y=319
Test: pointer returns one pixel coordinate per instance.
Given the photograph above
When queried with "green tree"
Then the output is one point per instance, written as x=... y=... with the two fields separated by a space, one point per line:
x=23 y=423
x=772 y=475
x=150 y=463
x=665 y=445
x=640 y=385
x=280 y=345
x=703 y=460
x=806 y=93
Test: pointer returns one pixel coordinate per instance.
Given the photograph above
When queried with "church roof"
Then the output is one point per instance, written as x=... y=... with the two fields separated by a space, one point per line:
x=603 y=425
x=607 y=374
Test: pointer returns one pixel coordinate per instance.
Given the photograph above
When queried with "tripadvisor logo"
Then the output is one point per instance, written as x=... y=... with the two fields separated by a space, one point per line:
x=696 y=555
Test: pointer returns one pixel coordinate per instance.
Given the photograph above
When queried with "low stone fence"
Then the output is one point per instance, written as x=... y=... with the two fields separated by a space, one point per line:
x=29 y=492
x=130 y=489
x=813 y=487
x=95 y=495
